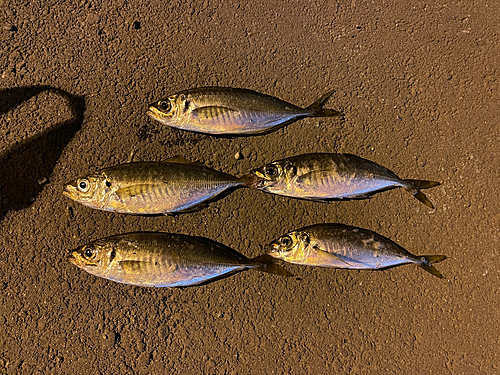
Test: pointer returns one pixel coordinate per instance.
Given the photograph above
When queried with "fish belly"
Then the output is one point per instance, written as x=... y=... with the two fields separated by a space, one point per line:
x=336 y=187
x=240 y=122
x=371 y=261
x=158 y=274
x=165 y=199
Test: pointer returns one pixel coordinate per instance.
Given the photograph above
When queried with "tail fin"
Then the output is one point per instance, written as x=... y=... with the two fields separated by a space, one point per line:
x=247 y=180
x=267 y=263
x=414 y=186
x=317 y=107
x=427 y=261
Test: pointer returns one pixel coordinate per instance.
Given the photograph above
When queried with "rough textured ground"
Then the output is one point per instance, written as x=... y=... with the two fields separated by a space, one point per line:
x=418 y=83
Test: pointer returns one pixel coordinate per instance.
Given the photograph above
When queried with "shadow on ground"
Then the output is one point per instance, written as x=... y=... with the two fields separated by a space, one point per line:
x=26 y=165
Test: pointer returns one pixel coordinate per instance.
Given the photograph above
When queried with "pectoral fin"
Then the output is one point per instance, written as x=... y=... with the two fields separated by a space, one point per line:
x=312 y=177
x=324 y=258
x=137 y=190
x=212 y=112
x=131 y=265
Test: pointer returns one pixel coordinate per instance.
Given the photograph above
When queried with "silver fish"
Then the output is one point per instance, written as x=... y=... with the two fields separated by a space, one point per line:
x=152 y=259
x=343 y=246
x=151 y=188
x=223 y=110
x=326 y=176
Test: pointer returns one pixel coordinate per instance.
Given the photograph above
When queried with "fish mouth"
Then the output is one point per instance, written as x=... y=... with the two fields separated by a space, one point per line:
x=151 y=114
x=258 y=174
x=77 y=260
x=273 y=249
x=256 y=179
x=67 y=189
x=154 y=113
x=71 y=257
x=251 y=180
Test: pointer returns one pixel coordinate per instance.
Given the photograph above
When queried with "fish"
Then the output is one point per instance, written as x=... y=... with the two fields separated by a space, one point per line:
x=231 y=111
x=343 y=246
x=151 y=188
x=327 y=176
x=155 y=259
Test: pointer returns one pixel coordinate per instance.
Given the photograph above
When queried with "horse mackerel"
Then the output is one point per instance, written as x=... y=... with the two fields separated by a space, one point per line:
x=231 y=111
x=327 y=176
x=343 y=246
x=154 y=259
x=151 y=188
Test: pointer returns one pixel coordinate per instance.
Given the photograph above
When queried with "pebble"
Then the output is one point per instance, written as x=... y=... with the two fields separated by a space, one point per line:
x=12 y=28
x=247 y=151
x=238 y=156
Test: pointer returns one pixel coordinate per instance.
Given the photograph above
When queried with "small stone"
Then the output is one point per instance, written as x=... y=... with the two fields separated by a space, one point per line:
x=247 y=151
x=43 y=181
x=12 y=28
x=238 y=156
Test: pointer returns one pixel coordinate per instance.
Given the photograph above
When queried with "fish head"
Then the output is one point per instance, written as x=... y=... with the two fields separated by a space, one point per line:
x=167 y=111
x=89 y=190
x=95 y=258
x=292 y=247
x=274 y=177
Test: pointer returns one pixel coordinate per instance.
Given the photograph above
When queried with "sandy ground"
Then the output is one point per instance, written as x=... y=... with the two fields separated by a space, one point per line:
x=418 y=83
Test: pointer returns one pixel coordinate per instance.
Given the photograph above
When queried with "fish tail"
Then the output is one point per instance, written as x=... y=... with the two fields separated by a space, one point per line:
x=426 y=263
x=414 y=186
x=247 y=180
x=266 y=263
x=317 y=109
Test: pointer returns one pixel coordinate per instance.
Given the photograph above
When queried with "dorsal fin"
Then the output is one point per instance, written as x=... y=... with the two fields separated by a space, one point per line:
x=180 y=160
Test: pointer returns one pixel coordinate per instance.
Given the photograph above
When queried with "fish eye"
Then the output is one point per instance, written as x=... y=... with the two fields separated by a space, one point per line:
x=286 y=241
x=165 y=105
x=271 y=171
x=83 y=185
x=88 y=253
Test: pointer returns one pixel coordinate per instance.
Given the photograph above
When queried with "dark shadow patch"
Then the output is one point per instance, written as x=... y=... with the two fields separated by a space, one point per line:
x=31 y=160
